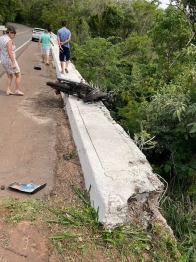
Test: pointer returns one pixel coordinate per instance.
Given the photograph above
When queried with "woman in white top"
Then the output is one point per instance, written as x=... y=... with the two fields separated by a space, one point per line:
x=8 y=61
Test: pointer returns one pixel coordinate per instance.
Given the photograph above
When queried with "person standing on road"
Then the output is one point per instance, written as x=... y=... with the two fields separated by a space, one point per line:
x=45 y=45
x=8 y=61
x=63 y=39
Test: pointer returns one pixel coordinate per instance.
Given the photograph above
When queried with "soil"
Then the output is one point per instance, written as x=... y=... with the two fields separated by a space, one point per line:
x=28 y=241
x=25 y=239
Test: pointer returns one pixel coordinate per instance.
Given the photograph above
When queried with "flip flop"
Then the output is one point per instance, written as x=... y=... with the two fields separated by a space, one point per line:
x=19 y=94
x=9 y=94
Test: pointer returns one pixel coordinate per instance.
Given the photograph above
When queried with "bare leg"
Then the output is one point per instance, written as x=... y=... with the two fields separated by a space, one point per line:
x=47 y=59
x=17 y=83
x=66 y=68
x=42 y=57
x=9 y=82
x=62 y=67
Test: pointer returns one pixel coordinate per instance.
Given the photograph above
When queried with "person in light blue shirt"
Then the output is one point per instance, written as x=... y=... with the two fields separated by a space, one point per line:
x=63 y=39
x=45 y=41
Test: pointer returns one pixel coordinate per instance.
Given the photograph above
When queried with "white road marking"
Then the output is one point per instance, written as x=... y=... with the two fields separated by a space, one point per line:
x=22 y=46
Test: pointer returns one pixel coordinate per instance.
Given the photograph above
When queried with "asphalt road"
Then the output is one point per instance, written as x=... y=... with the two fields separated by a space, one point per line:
x=27 y=130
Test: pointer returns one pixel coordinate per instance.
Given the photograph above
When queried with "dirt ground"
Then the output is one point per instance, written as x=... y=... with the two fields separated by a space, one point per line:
x=36 y=142
x=29 y=241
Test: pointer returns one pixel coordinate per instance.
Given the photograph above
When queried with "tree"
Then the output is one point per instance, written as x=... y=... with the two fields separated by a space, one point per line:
x=190 y=6
x=171 y=34
x=9 y=10
x=102 y=65
x=171 y=120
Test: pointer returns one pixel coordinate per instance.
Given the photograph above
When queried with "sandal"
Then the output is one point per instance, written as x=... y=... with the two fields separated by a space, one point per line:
x=19 y=93
x=9 y=93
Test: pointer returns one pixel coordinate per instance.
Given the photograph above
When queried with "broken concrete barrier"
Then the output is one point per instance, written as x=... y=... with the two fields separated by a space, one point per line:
x=122 y=185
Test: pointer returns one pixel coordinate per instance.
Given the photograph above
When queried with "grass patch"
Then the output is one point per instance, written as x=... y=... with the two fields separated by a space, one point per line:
x=77 y=233
x=180 y=212
x=15 y=210
x=84 y=235
x=69 y=155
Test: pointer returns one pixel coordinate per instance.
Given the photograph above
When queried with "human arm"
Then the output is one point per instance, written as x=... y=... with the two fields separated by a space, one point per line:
x=10 y=53
x=58 y=40
x=66 y=41
x=39 y=42
x=51 y=42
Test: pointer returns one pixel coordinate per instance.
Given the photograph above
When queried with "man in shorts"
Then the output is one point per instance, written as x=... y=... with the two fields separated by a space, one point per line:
x=45 y=45
x=63 y=38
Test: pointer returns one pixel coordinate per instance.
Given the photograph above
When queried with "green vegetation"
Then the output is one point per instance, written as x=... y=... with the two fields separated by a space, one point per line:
x=121 y=244
x=16 y=210
x=79 y=234
x=70 y=155
x=180 y=211
x=148 y=57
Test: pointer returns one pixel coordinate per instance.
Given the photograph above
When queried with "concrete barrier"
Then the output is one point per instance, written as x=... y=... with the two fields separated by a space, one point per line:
x=3 y=28
x=121 y=182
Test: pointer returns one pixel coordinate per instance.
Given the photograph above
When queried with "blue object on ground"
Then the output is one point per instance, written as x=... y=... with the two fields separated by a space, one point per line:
x=27 y=188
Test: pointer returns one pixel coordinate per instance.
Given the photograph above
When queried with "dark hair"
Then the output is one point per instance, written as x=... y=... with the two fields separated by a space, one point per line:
x=64 y=23
x=11 y=29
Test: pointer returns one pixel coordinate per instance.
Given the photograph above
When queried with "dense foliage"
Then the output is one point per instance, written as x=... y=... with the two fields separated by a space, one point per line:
x=147 y=55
